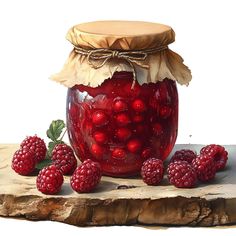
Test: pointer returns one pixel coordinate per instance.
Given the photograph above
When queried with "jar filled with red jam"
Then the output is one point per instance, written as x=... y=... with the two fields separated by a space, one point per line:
x=122 y=101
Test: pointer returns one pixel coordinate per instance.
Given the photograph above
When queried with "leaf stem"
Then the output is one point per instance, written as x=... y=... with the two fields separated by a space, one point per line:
x=63 y=135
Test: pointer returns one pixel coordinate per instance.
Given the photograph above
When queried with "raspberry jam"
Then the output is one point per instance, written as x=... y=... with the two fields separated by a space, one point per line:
x=120 y=124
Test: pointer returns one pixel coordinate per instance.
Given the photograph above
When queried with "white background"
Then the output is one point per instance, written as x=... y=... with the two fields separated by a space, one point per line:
x=33 y=47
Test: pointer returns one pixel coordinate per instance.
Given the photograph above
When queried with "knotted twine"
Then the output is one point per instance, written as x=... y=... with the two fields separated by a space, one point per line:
x=98 y=57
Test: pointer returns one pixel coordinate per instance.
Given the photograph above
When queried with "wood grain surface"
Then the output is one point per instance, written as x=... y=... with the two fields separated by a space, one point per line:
x=120 y=201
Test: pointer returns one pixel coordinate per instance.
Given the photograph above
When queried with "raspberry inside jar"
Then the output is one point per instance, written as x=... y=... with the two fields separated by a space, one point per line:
x=120 y=125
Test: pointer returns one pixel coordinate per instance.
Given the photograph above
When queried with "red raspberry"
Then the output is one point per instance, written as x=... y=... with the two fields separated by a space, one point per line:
x=119 y=106
x=134 y=145
x=100 y=137
x=23 y=162
x=218 y=153
x=49 y=180
x=86 y=176
x=123 y=133
x=36 y=145
x=184 y=155
x=165 y=111
x=205 y=167
x=138 y=105
x=118 y=153
x=99 y=118
x=64 y=159
x=97 y=150
x=181 y=174
x=122 y=119
x=152 y=171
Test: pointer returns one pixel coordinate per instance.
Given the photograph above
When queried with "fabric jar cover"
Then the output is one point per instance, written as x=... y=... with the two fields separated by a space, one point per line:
x=103 y=47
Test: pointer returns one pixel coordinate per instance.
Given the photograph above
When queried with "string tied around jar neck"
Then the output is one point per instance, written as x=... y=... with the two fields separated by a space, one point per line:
x=98 y=57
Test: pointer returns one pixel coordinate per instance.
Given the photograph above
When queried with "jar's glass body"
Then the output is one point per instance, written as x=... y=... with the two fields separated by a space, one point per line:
x=121 y=124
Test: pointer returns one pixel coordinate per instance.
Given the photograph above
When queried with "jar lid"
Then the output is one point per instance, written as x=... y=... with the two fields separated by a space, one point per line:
x=121 y=35
x=102 y=48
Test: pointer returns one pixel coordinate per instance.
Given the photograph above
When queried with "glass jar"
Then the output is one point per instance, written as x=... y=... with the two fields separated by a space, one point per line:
x=122 y=101
x=120 y=126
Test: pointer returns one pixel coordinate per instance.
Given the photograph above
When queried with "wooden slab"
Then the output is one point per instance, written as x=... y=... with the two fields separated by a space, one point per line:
x=120 y=201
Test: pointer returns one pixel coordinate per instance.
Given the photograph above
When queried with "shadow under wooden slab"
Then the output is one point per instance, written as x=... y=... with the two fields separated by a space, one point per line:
x=121 y=201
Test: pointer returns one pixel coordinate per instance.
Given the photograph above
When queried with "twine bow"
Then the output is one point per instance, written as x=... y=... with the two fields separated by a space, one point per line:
x=104 y=55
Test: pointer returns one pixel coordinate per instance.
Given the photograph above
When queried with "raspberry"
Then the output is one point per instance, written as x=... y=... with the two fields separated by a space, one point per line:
x=138 y=105
x=218 y=153
x=64 y=159
x=86 y=176
x=23 y=162
x=134 y=145
x=36 y=145
x=97 y=150
x=181 y=174
x=184 y=155
x=100 y=137
x=122 y=119
x=123 y=133
x=118 y=153
x=165 y=111
x=119 y=106
x=205 y=167
x=99 y=118
x=152 y=171
x=49 y=180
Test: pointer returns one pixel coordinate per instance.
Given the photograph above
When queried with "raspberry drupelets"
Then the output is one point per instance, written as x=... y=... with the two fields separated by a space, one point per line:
x=184 y=155
x=35 y=145
x=49 y=180
x=218 y=153
x=64 y=159
x=205 y=167
x=86 y=176
x=23 y=162
x=152 y=171
x=181 y=174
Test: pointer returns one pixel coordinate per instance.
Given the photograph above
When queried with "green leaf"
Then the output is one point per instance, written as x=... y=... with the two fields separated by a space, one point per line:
x=55 y=129
x=42 y=164
x=51 y=145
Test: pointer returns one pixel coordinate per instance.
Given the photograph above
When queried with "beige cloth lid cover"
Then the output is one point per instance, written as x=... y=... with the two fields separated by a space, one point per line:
x=122 y=36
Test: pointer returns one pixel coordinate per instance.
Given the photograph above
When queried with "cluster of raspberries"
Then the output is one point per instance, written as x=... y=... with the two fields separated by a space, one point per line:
x=85 y=177
x=186 y=168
